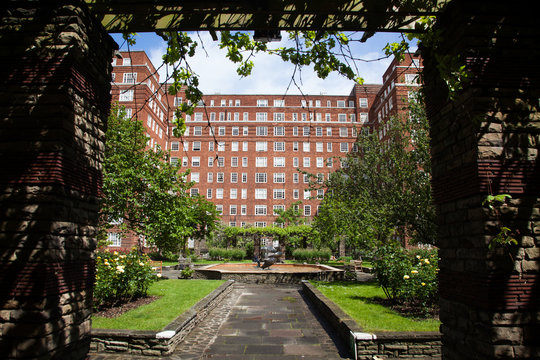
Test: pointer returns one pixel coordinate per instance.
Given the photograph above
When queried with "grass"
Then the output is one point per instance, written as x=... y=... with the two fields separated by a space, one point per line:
x=356 y=300
x=177 y=296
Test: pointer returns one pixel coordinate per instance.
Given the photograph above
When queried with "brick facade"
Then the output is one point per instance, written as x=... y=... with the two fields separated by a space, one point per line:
x=486 y=141
x=54 y=103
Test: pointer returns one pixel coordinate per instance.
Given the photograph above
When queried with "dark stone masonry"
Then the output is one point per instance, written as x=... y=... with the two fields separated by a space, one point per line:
x=54 y=103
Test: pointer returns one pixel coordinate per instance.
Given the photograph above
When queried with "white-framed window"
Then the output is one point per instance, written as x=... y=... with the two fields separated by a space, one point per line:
x=260 y=194
x=237 y=102
x=296 y=178
x=236 y=116
x=306 y=162
x=304 y=117
x=175 y=146
x=318 y=131
x=352 y=117
x=219 y=209
x=196 y=146
x=244 y=161
x=221 y=116
x=261 y=146
x=260 y=162
x=306 y=178
x=234 y=161
x=130 y=78
x=328 y=117
x=342 y=117
x=234 y=177
x=279 y=130
x=364 y=118
x=260 y=178
x=296 y=194
x=245 y=131
x=220 y=177
x=307 y=210
x=279 y=103
x=319 y=147
x=260 y=224
x=212 y=116
x=243 y=209
x=343 y=132
x=234 y=145
x=262 y=131
x=363 y=102
x=198 y=116
x=219 y=193
x=320 y=194
x=329 y=147
x=235 y=131
x=245 y=116
x=208 y=193
x=197 y=131
x=211 y=146
x=320 y=162
x=210 y=177
x=262 y=102
x=306 y=130
x=195 y=176
x=223 y=102
x=233 y=193
x=221 y=131
x=244 y=194
x=295 y=145
x=279 y=162
x=232 y=210
x=210 y=161
x=341 y=103
x=307 y=194
x=295 y=117
x=244 y=178
x=260 y=210
x=278 y=207
x=411 y=79
x=261 y=116
x=303 y=103
x=126 y=95
x=244 y=146
x=177 y=101
x=220 y=161
x=344 y=147
x=295 y=131
x=279 y=116
x=114 y=239
x=185 y=161
x=295 y=162
x=279 y=146
x=196 y=161
x=306 y=146
x=279 y=178
x=279 y=194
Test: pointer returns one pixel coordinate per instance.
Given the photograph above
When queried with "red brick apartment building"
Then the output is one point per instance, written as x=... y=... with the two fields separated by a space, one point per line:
x=248 y=153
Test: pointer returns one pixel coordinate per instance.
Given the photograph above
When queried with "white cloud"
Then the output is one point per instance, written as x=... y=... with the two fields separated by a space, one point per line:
x=270 y=75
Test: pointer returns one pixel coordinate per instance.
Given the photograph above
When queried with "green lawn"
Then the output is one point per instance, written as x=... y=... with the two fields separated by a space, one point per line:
x=177 y=296
x=355 y=299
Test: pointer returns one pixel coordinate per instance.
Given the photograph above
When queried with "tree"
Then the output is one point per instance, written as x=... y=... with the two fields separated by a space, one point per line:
x=144 y=193
x=383 y=188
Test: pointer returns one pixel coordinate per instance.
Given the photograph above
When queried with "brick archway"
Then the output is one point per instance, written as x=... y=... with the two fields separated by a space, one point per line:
x=54 y=108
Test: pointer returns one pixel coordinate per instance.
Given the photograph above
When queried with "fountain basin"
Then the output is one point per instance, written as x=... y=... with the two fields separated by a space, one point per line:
x=276 y=274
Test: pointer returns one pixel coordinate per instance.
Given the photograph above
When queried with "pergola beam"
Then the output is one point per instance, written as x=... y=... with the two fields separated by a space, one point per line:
x=190 y=15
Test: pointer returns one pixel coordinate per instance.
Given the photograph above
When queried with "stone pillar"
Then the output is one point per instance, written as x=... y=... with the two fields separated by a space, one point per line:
x=486 y=141
x=54 y=102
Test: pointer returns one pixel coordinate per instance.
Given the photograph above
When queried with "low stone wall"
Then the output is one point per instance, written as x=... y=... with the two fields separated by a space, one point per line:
x=158 y=343
x=381 y=345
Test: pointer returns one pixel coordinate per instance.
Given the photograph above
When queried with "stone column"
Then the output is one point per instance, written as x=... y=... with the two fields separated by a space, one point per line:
x=54 y=102
x=486 y=141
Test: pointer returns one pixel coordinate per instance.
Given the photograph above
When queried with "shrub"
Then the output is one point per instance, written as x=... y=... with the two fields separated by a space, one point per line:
x=408 y=276
x=312 y=255
x=121 y=277
x=163 y=256
x=222 y=253
x=187 y=273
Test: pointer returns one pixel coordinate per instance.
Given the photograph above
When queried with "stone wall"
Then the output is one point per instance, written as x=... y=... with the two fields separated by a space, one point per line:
x=486 y=141
x=54 y=103
x=381 y=345
x=158 y=343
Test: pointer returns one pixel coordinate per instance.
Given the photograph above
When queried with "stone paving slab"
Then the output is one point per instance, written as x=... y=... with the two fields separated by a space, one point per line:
x=256 y=322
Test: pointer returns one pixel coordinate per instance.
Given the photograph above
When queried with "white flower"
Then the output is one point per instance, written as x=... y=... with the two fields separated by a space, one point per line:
x=158 y=275
x=120 y=269
x=405 y=277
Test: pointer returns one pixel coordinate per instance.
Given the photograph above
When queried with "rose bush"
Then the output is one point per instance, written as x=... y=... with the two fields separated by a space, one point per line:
x=121 y=277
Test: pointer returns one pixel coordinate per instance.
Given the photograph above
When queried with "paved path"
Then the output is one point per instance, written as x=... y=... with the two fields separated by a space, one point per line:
x=257 y=322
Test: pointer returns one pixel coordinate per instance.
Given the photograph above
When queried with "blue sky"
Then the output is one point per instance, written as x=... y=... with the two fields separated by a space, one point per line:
x=270 y=75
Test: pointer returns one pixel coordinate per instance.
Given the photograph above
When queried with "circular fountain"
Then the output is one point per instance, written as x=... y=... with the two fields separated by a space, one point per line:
x=275 y=274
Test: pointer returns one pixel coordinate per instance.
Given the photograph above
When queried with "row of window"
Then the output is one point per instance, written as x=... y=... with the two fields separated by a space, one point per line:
x=259 y=210
x=278 y=178
x=260 y=194
x=277 y=131
x=263 y=116
x=362 y=102
x=260 y=146
x=259 y=161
